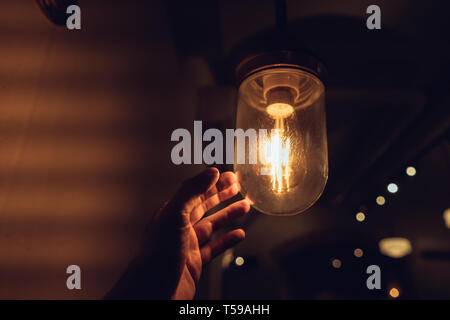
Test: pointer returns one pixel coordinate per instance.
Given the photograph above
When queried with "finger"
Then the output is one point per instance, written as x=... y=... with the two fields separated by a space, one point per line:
x=188 y=196
x=216 y=247
x=225 y=188
x=226 y=179
x=206 y=227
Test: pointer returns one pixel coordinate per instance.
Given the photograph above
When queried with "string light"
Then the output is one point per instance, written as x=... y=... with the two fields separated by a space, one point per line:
x=358 y=253
x=392 y=188
x=380 y=200
x=394 y=293
x=239 y=261
x=360 y=216
x=336 y=263
x=411 y=171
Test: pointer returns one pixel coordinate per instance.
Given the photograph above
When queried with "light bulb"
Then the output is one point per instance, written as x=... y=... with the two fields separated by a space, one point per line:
x=285 y=107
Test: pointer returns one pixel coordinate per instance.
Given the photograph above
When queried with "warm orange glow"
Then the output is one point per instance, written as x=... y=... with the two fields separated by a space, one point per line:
x=358 y=253
x=284 y=169
x=250 y=201
x=394 y=293
x=277 y=155
x=446 y=216
x=336 y=263
x=381 y=200
x=411 y=171
x=360 y=216
x=395 y=247
x=227 y=258
x=239 y=261
x=280 y=110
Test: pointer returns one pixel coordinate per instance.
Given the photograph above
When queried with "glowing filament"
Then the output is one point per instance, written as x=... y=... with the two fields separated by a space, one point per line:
x=277 y=155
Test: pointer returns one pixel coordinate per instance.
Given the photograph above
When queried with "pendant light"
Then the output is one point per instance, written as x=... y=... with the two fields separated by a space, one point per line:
x=281 y=96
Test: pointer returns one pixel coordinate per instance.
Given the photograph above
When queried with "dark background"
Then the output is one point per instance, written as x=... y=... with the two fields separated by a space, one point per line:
x=85 y=124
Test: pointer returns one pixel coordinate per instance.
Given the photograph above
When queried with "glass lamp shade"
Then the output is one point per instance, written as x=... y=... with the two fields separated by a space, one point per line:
x=285 y=107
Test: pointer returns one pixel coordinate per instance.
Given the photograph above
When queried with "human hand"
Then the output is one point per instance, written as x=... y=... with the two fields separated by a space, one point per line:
x=179 y=242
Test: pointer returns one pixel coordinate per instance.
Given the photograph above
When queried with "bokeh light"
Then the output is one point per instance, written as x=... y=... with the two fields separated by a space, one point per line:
x=394 y=293
x=358 y=253
x=336 y=263
x=360 y=216
x=239 y=261
x=380 y=200
x=447 y=218
x=411 y=171
x=392 y=187
x=395 y=247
